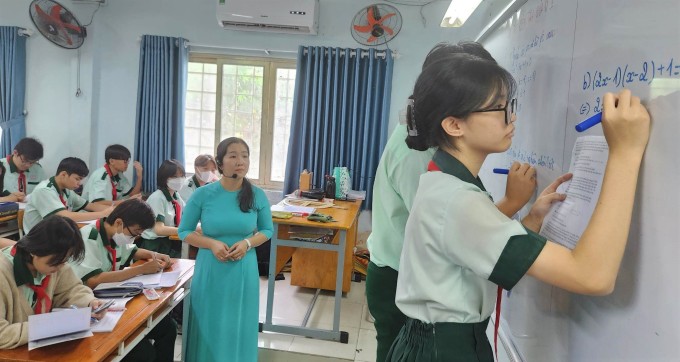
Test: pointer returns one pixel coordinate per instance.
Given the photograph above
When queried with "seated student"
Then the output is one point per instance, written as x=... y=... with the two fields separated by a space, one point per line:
x=56 y=196
x=205 y=169
x=111 y=239
x=21 y=171
x=167 y=207
x=108 y=184
x=34 y=278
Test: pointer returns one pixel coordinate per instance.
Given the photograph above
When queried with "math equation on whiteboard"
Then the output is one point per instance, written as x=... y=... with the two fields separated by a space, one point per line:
x=623 y=75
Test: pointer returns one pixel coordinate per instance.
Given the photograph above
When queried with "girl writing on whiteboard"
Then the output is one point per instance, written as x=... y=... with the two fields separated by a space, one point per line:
x=458 y=247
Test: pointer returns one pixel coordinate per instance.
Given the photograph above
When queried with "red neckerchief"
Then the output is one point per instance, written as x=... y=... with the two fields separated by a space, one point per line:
x=61 y=197
x=178 y=211
x=108 y=247
x=499 y=295
x=114 y=192
x=43 y=303
x=22 y=176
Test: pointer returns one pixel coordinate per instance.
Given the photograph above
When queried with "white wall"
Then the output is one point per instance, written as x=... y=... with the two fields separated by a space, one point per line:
x=105 y=113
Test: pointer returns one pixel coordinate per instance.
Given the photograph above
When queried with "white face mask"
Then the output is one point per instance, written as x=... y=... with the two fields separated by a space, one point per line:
x=121 y=239
x=176 y=183
x=206 y=176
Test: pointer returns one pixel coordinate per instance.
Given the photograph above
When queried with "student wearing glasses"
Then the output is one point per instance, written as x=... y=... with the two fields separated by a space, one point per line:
x=108 y=184
x=396 y=183
x=459 y=248
x=21 y=172
x=109 y=251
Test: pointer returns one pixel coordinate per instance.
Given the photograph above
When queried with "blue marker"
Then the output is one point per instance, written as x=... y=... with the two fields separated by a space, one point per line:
x=597 y=118
x=502 y=171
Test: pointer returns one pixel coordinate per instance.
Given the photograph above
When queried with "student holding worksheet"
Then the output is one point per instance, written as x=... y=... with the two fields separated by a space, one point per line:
x=459 y=248
x=35 y=277
x=396 y=182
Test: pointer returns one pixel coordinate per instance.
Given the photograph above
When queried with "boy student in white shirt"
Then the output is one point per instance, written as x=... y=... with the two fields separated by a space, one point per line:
x=108 y=249
x=21 y=171
x=56 y=196
x=107 y=184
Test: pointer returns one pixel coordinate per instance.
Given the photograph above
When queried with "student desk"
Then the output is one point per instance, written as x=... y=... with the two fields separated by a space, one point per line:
x=9 y=225
x=141 y=315
x=315 y=265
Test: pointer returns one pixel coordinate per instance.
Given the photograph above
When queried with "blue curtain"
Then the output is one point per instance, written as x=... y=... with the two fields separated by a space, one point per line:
x=340 y=115
x=12 y=87
x=161 y=92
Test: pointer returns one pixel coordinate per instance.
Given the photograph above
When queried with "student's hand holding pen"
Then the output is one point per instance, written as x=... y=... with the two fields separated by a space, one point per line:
x=152 y=266
x=94 y=304
x=625 y=123
x=162 y=259
x=521 y=184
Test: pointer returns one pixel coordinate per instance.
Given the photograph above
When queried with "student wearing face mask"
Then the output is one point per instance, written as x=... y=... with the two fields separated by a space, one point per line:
x=109 y=250
x=112 y=238
x=205 y=169
x=167 y=206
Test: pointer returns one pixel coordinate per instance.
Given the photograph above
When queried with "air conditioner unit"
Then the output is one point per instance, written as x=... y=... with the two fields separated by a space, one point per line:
x=290 y=16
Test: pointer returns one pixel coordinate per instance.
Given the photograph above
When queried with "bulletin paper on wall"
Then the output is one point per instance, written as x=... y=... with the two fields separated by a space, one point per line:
x=566 y=221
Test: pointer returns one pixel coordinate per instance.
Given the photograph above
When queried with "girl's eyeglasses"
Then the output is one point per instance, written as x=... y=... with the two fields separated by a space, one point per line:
x=511 y=106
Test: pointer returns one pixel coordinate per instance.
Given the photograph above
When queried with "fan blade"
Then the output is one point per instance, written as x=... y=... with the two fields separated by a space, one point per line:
x=387 y=29
x=371 y=39
x=386 y=17
x=363 y=29
x=370 y=17
x=55 y=11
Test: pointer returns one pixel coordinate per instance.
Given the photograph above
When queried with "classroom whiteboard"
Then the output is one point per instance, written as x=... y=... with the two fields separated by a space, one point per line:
x=565 y=54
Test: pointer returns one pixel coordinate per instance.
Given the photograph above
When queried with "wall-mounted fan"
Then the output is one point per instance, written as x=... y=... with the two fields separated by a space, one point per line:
x=376 y=24
x=57 y=23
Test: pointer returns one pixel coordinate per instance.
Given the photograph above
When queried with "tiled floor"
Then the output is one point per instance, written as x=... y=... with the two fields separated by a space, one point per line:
x=290 y=305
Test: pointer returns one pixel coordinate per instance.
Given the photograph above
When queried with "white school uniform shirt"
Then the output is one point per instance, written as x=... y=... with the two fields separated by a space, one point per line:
x=160 y=202
x=458 y=247
x=10 y=176
x=190 y=185
x=98 y=258
x=99 y=187
x=45 y=201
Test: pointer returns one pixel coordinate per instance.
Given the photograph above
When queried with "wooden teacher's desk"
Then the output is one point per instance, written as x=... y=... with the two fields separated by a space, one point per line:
x=315 y=265
x=313 y=268
x=140 y=316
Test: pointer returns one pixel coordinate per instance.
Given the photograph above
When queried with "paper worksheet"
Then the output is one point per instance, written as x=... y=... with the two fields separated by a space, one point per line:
x=50 y=328
x=107 y=323
x=567 y=220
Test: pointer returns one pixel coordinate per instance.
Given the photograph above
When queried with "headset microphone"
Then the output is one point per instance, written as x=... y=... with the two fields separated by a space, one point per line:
x=234 y=176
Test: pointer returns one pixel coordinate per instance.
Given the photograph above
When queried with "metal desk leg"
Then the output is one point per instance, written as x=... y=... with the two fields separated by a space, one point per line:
x=338 y=280
x=272 y=275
